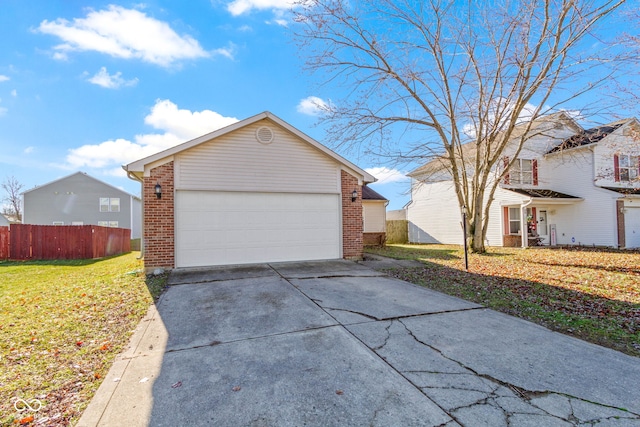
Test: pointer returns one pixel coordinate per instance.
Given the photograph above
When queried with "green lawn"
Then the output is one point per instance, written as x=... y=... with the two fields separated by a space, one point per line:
x=588 y=293
x=61 y=325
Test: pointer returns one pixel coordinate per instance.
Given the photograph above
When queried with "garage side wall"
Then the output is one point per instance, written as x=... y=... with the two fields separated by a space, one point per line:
x=352 y=224
x=159 y=218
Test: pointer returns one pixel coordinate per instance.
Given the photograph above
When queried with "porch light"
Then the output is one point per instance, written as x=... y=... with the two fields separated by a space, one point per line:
x=354 y=195
x=158 y=190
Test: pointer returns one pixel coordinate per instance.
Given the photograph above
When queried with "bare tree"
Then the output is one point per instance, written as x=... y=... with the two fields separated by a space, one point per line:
x=458 y=80
x=12 y=188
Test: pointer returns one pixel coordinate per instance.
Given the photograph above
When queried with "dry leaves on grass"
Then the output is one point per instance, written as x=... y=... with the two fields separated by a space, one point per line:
x=592 y=294
x=67 y=322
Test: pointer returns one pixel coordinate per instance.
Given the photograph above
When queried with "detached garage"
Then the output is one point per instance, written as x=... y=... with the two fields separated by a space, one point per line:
x=255 y=191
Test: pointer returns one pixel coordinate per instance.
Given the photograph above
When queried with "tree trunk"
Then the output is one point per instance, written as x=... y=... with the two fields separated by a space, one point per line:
x=477 y=237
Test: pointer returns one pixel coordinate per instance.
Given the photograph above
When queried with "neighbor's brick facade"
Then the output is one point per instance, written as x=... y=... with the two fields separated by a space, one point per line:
x=159 y=218
x=352 y=224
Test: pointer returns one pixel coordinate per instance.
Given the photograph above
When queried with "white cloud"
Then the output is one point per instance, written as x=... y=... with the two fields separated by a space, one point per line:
x=312 y=106
x=111 y=81
x=14 y=93
x=29 y=150
x=228 y=52
x=239 y=7
x=122 y=33
x=3 y=111
x=177 y=126
x=281 y=22
x=279 y=18
x=387 y=175
x=60 y=56
x=185 y=124
x=4 y=78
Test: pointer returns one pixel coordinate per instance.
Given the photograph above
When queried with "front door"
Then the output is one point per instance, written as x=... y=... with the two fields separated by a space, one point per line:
x=543 y=228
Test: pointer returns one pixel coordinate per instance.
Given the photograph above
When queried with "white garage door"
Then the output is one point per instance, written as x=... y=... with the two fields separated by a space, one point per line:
x=632 y=227
x=218 y=228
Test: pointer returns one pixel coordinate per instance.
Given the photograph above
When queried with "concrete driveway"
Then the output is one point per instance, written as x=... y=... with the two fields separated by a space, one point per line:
x=337 y=343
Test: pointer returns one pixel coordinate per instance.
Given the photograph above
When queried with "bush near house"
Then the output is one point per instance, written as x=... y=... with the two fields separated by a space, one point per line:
x=61 y=325
x=592 y=294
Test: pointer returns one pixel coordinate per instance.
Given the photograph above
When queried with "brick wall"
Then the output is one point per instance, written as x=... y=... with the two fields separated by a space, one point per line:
x=159 y=218
x=374 y=239
x=511 y=241
x=351 y=218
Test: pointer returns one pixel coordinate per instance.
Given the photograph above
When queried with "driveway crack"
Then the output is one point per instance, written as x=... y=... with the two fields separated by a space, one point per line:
x=502 y=394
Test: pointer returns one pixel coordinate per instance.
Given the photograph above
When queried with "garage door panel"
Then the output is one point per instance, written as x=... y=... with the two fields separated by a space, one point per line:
x=217 y=228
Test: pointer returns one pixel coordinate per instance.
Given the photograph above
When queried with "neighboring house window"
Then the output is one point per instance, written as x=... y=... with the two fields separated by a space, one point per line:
x=514 y=220
x=77 y=223
x=626 y=168
x=523 y=171
x=58 y=222
x=109 y=204
x=108 y=223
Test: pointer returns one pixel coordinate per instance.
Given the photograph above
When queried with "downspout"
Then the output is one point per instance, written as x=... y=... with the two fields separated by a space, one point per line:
x=135 y=178
x=523 y=222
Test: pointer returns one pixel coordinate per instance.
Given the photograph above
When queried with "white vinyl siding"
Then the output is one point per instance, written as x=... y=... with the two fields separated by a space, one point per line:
x=434 y=215
x=219 y=228
x=238 y=162
x=622 y=144
x=374 y=217
x=592 y=221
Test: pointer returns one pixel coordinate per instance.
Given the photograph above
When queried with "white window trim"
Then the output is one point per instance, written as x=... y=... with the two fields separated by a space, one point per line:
x=628 y=173
x=517 y=172
x=513 y=220
x=109 y=204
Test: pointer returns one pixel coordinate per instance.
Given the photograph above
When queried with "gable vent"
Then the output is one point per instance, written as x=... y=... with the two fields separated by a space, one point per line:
x=264 y=135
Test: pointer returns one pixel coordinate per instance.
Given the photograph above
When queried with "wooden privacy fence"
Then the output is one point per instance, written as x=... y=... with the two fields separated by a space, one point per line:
x=4 y=242
x=28 y=241
x=397 y=231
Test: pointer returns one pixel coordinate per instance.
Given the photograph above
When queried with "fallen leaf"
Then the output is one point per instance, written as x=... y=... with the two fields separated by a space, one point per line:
x=144 y=380
x=176 y=385
x=236 y=388
x=339 y=392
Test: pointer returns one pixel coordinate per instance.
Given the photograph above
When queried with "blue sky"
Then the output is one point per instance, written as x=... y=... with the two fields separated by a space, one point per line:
x=89 y=86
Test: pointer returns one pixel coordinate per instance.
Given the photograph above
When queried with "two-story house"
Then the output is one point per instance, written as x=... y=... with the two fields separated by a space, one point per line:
x=568 y=186
x=80 y=199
